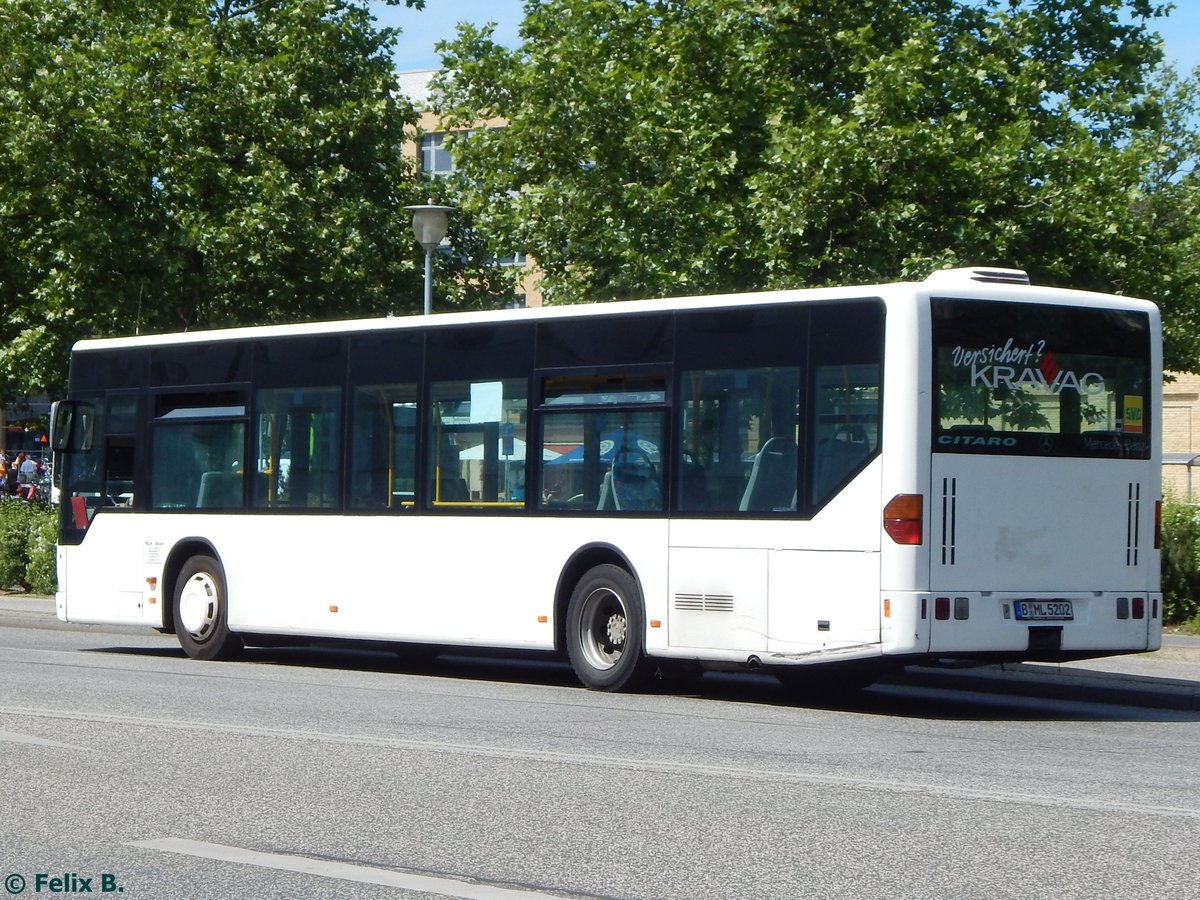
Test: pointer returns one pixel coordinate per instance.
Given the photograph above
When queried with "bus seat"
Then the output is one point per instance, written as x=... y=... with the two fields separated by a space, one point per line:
x=453 y=489
x=219 y=490
x=606 y=495
x=693 y=486
x=635 y=484
x=835 y=459
x=772 y=483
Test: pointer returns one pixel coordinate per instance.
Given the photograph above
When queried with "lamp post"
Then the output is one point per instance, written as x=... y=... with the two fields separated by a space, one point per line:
x=429 y=223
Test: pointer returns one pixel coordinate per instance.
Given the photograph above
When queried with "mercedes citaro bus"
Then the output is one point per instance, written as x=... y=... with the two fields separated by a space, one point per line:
x=810 y=482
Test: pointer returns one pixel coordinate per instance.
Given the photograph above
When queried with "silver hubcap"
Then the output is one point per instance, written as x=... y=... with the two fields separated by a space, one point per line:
x=603 y=628
x=198 y=605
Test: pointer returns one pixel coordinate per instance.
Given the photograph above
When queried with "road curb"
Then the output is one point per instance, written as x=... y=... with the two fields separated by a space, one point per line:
x=1055 y=684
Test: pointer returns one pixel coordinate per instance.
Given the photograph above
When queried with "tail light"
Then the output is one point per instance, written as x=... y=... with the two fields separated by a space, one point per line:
x=1158 y=524
x=902 y=519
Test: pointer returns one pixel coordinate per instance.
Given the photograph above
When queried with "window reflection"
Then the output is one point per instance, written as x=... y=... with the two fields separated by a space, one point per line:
x=478 y=443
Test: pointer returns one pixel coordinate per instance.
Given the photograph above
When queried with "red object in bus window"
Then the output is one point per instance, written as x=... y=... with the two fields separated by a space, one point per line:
x=79 y=512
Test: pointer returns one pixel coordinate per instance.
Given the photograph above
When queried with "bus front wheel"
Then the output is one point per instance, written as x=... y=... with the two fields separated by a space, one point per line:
x=201 y=610
x=605 y=628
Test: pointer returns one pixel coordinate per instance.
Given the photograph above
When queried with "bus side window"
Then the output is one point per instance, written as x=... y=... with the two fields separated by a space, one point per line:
x=738 y=448
x=299 y=448
x=845 y=425
x=83 y=486
x=601 y=442
x=119 y=448
x=198 y=450
x=845 y=395
x=477 y=452
x=606 y=460
x=383 y=447
x=118 y=470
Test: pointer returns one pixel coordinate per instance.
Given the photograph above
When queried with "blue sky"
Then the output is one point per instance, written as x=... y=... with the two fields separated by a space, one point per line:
x=422 y=29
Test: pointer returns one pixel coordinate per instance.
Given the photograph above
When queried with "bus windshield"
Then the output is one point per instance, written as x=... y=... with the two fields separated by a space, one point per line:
x=1040 y=380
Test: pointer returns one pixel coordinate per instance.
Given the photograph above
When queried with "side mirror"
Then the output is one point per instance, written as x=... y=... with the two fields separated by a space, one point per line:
x=72 y=425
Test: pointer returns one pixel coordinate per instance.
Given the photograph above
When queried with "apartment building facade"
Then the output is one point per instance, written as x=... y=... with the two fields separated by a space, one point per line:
x=429 y=148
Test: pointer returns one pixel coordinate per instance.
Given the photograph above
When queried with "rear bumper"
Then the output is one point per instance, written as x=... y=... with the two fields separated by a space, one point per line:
x=1079 y=625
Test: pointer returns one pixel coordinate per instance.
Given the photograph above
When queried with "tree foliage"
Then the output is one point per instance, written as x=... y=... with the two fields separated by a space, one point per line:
x=174 y=164
x=1180 y=561
x=668 y=146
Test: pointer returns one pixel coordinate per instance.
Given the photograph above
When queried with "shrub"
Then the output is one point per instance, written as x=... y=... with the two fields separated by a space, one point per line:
x=1180 y=561
x=42 y=574
x=15 y=523
x=28 y=535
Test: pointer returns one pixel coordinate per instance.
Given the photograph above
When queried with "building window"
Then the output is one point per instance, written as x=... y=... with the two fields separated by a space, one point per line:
x=435 y=156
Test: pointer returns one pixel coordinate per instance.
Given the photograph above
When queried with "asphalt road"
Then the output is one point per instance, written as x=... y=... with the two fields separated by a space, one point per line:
x=300 y=773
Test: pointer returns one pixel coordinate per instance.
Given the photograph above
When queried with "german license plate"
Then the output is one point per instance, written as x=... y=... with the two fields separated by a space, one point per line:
x=1044 y=610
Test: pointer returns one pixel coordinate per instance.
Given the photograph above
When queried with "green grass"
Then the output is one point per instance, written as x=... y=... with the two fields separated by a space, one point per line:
x=1191 y=626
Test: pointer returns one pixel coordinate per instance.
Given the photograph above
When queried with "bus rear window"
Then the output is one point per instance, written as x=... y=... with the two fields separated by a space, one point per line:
x=1040 y=379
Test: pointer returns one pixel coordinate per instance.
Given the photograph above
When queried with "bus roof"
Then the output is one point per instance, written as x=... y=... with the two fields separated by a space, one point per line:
x=964 y=282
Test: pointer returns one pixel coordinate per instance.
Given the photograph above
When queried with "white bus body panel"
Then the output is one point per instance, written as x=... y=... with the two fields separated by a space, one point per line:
x=1000 y=521
x=784 y=591
x=365 y=577
x=792 y=591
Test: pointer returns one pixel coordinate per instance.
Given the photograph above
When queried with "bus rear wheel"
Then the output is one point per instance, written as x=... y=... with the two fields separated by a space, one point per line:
x=201 y=610
x=605 y=629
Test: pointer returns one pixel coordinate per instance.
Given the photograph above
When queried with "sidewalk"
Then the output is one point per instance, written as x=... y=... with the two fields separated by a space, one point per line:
x=27 y=604
x=1166 y=679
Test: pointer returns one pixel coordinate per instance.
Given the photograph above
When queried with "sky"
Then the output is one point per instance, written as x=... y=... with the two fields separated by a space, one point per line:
x=424 y=28
x=421 y=29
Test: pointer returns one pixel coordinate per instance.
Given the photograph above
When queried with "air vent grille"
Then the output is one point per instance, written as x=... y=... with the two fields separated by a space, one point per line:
x=704 y=602
x=988 y=275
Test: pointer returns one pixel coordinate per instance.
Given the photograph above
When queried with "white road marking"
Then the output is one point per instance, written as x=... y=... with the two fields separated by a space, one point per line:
x=411 y=881
x=14 y=738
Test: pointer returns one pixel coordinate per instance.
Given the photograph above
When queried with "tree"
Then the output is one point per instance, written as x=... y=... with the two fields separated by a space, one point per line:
x=176 y=164
x=662 y=147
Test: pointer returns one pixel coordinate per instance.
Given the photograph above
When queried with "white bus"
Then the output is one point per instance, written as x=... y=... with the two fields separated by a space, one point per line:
x=811 y=482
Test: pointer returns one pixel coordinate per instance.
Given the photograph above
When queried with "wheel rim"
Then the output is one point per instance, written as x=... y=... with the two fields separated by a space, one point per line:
x=198 y=605
x=603 y=628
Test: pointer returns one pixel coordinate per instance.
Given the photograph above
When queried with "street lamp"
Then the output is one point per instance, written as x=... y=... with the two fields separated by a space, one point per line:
x=429 y=224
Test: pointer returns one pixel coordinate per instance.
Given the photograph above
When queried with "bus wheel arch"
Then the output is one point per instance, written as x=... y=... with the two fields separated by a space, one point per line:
x=194 y=570
x=601 y=620
x=581 y=562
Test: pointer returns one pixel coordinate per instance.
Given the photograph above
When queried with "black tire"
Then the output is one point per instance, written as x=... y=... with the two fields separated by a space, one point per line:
x=606 y=627
x=201 y=611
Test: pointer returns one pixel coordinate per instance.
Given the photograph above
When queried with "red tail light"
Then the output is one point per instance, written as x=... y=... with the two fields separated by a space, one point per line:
x=902 y=519
x=1158 y=524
